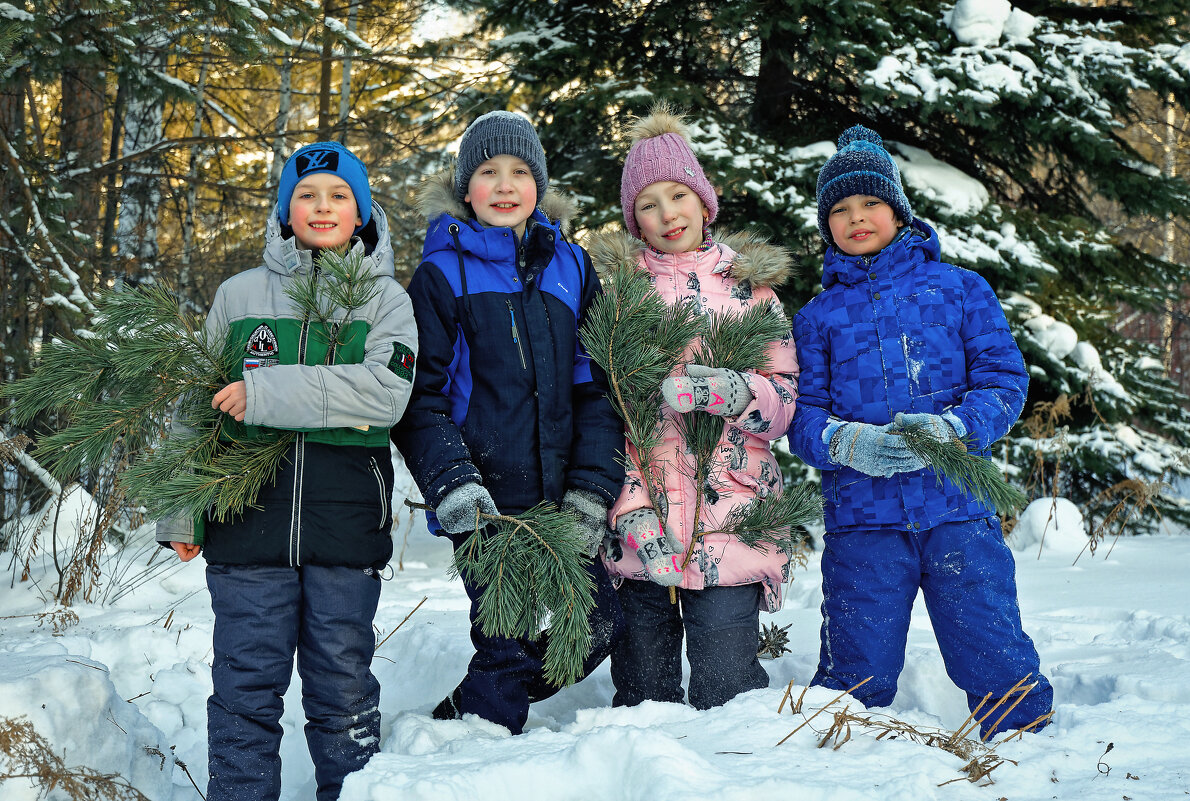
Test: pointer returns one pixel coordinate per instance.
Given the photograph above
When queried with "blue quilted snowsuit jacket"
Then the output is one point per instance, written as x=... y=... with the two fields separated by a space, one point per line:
x=902 y=331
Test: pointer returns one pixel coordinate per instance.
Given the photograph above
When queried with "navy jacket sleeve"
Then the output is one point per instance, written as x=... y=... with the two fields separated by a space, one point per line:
x=427 y=436
x=598 y=433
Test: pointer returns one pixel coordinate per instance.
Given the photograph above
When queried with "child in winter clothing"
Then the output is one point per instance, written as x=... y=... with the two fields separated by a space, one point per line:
x=899 y=337
x=668 y=202
x=507 y=409
x=299 y=571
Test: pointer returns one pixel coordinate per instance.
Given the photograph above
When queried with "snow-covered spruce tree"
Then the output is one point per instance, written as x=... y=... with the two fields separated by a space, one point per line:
x=1006 y=120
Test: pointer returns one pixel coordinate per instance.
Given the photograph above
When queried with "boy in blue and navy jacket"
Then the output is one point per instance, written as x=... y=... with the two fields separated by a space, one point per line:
x=507 y=409
x=899 y=337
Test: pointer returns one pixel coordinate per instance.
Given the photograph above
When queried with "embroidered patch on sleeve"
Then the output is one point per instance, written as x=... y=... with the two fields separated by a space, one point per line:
x=402 y=361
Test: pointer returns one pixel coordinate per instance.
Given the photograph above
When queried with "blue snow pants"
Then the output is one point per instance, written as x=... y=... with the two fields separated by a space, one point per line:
x=722 y=629
x=967 y=578
x=263 y=616
x=506 y=675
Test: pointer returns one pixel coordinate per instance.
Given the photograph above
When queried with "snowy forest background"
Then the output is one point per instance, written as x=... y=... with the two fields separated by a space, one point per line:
x=1046 y=140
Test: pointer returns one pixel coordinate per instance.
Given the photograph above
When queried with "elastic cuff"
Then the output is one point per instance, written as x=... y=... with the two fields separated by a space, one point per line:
x=960 y=430
x=828 y=433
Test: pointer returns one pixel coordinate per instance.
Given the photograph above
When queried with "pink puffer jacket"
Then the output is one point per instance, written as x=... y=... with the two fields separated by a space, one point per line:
x=735 y=273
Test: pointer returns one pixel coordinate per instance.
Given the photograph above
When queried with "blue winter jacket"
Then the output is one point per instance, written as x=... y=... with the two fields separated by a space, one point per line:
x=503 y=393
x=901 y=331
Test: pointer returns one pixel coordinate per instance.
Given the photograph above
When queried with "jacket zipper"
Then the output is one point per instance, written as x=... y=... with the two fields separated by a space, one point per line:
x=383 y=495
x=516 y=337
x=295 y=515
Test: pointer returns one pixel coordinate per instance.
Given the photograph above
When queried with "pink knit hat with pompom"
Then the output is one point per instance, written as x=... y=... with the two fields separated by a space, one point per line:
x=661 y=152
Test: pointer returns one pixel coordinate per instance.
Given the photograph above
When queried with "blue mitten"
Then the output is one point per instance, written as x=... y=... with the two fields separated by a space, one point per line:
x=873 y=450
x=591 y=512
x=459 y=510
x=942 y=427
x=714 y=390
x=661 y=556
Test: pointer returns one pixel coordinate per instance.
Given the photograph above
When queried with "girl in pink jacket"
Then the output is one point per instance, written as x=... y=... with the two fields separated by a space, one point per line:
x=668 y=203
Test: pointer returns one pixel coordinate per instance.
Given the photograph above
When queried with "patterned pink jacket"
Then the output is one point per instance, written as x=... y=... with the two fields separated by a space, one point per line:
x=735 y=273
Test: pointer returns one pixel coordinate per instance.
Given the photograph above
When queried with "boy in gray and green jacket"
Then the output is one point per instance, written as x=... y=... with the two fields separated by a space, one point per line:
x=299 y=571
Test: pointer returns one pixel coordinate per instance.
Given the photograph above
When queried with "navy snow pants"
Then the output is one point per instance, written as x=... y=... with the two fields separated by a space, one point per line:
x=722 y=629
x=263 y=616
x=967 y=577
x=505 y=675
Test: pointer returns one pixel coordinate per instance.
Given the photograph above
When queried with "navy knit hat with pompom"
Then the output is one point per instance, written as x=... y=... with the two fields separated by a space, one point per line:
x=861 y=167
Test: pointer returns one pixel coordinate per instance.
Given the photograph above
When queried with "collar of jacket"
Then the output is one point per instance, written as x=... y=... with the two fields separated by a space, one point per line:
x=283 y=255
x=915 y=246
x=746 y=256
x=436 y=196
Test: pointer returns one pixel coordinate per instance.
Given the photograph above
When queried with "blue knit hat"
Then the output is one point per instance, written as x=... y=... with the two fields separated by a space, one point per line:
x=861 y=167
x=329 y=157
x=500 y=133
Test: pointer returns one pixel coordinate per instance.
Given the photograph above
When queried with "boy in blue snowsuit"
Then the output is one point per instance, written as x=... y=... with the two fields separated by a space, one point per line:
x=506 y=409
x=898 y=337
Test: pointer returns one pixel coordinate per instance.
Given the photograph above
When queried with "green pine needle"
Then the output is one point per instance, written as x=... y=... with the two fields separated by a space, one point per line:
x=147 y=363
x=772 y=519
x=638 y=340
x=534 y=576
x=973 y=474
x=734 y=341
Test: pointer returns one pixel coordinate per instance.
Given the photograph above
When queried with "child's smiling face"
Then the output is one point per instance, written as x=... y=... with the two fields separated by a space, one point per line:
x=862 y=225
x=322 y=211
x=671 y=216
x=502 y=192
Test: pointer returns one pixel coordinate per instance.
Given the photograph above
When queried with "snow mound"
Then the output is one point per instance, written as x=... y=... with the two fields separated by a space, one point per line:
x=73 y=705
x=1051 y=524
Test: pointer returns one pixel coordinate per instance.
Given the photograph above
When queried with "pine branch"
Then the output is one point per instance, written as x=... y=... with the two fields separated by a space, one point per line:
x=533 y=572
x=332 y=291
x=148 y=362
x=973 y=474
x=771 y=519
x=638 y=339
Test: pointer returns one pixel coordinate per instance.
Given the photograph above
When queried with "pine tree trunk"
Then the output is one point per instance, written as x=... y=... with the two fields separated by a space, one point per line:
x=192 y=173
x=16 y=279
x=140 y=196
x=81 y=137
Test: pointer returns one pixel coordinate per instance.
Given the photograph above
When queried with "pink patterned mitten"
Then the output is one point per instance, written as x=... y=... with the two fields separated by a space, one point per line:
x=661 y=556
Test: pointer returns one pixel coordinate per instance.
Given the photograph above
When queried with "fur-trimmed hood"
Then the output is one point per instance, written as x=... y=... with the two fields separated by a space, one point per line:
x=436 y=196
x=757 y=261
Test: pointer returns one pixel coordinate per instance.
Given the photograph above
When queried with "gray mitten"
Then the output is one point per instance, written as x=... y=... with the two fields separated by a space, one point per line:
x=942 y=427
x=658 y=552
x=591 y=512
x=873 y=450
x=714 y=390
x=458 y=512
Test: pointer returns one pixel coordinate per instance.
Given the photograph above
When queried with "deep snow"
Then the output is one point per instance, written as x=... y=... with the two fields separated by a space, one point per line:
x=124 y=690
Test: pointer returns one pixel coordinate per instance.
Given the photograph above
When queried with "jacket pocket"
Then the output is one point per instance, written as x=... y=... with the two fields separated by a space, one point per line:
x=384 y=499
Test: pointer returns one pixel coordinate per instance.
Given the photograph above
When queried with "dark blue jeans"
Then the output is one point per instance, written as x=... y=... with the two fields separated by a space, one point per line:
x=505 y=675
x=722 y=630
x=967 y=578
x=263 y=616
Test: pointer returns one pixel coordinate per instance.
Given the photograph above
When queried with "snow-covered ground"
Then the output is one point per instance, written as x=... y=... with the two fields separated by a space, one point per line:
x=124 y=690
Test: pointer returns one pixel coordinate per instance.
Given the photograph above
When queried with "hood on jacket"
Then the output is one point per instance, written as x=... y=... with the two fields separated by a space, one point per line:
x=757 y=261
x=282 y=253
x=436 y=196
x=917 y=243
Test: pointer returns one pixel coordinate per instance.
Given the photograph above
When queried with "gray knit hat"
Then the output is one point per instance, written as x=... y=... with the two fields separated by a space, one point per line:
x=861 y=167
x=500 y=133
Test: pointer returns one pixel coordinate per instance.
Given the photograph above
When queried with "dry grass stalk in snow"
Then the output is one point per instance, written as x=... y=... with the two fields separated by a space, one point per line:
x=980 y=758
x=26 y=756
